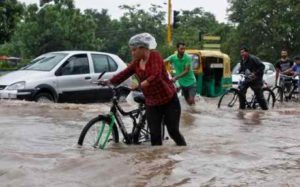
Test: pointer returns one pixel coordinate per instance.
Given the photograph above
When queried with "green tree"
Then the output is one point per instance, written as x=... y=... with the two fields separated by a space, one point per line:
x=55 y=27
x=10 y=15
x=267 y=26
x=136 y=20
x=192 y=23
x=63 y=27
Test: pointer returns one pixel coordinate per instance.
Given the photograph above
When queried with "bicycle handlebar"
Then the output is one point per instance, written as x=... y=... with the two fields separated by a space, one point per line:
x=286 y=76
x=101 y=75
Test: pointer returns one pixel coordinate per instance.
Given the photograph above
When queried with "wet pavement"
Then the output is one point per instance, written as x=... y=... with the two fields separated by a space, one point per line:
x=225 y=148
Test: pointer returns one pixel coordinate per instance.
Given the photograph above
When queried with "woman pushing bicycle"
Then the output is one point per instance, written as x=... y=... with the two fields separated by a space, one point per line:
x=162 y=104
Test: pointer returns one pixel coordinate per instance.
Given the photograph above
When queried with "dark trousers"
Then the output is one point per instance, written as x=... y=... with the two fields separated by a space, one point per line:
x=169 y=114
x=257 y=89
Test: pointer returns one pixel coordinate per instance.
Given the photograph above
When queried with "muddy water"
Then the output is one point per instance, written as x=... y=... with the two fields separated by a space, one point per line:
x=225 y=148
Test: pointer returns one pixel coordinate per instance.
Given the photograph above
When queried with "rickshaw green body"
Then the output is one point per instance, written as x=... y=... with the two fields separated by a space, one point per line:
x=212 y=71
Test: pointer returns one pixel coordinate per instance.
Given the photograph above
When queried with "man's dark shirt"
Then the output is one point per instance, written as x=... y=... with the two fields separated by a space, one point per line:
x=254 y=65
x=284 y=65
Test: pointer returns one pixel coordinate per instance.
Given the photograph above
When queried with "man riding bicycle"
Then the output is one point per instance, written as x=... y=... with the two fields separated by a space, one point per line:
x=283 y=67
x=295 y=70
x=253 y=69
x=296 y=67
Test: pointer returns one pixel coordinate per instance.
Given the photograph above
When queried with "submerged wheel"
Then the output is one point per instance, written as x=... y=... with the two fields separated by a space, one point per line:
x=269 y=97
x=295 y=94
x=90 y=134
x=278 y=92
x=229 y=100
x=44 y=97
x=142 y=134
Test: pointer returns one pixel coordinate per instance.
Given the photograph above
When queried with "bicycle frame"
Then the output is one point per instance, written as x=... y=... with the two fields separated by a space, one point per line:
x=293 y=87
x=108 y=121
x=116 y=110
x=252 y=103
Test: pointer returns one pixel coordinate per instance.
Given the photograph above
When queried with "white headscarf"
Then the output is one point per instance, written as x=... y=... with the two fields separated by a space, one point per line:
x=143 y=40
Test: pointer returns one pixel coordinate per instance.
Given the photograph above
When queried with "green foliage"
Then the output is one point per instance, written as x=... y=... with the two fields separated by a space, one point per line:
x=55 y=27
x=135 y=21
x=3 y=65
x=7 y=49
x=63 y=27
x=166 y=50
x=10 y=15
x=192 y=23
x=267 y=26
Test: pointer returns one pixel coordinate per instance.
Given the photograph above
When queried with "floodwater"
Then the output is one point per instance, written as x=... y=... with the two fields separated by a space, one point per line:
x=225 y=148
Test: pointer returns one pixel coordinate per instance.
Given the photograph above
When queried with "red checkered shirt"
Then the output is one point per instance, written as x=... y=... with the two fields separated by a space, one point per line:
x=160 y=89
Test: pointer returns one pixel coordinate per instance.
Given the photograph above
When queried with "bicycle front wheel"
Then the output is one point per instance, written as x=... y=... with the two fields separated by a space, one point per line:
x=269 y=97
x=98 y=132
x=278 y=92
x=229 y=100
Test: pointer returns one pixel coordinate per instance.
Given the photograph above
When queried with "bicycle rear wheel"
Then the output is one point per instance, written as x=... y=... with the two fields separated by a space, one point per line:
x=229 y=100
x=295 y=95
x=98 y=132
x=269 y=97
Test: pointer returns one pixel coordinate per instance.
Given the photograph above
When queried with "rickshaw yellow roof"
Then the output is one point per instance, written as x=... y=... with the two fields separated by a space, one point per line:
x=208 y=53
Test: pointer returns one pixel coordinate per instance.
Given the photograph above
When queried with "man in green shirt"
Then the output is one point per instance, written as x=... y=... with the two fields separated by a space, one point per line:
x=182 y=63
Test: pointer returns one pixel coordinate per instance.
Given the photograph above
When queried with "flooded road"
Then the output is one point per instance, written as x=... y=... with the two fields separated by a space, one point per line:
x=225 y=148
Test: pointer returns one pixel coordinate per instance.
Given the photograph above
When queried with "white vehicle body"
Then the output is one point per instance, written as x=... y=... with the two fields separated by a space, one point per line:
x=64 y=76
x=268 y=77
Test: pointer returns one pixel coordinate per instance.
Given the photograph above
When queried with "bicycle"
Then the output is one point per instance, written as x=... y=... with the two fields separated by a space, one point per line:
x=230 y=98
x=106 y=126
x=287 y=89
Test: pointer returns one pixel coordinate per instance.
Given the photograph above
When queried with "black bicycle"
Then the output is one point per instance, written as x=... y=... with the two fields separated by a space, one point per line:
x=104 y=128
x=230 y=98
x=287 y=90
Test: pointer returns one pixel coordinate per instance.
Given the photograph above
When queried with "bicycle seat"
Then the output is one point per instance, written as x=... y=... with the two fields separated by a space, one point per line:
x=139 y=98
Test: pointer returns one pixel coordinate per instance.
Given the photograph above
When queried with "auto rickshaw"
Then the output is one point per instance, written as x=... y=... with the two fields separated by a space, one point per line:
x=212 y=71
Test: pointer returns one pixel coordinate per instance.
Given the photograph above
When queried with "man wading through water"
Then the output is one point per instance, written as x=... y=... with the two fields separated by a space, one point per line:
x=182 y=64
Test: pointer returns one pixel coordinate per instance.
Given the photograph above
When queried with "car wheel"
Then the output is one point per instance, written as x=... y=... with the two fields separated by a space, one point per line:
x=44 y=97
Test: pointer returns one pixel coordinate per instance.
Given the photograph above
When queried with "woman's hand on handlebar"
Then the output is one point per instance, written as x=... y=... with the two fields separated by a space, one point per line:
x=134 y=87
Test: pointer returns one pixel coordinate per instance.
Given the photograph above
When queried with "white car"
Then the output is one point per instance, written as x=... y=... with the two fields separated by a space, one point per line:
x=64 y=76
x=269 y=74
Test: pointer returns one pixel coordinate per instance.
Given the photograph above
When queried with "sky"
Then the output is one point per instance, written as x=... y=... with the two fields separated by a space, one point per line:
x=217 y=7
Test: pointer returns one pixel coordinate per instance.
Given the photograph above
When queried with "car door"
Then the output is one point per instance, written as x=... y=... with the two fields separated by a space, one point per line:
x=101 y=63
x=269 y=74
x=74 y=79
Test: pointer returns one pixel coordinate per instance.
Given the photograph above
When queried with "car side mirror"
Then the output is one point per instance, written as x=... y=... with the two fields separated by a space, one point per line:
x=58 y=72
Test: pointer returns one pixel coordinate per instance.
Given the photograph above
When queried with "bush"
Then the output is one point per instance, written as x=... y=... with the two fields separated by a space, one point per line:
x=4 y=65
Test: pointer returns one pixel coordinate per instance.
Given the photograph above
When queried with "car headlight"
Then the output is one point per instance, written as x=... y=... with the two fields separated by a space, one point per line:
x=16 y=86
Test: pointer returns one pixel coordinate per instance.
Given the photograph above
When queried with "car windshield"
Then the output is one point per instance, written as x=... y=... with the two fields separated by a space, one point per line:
x=236 y=69
x=45 y=62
